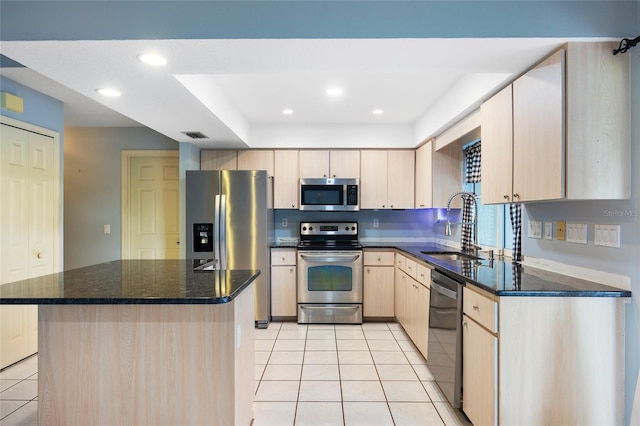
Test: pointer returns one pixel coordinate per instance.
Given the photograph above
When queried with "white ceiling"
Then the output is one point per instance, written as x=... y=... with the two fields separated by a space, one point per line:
x=226 y=88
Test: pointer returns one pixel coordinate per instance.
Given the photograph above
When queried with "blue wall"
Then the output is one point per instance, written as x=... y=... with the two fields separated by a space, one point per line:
x=39 y=109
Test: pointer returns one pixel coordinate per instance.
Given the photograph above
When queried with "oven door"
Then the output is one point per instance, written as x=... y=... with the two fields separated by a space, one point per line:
x=330 y=277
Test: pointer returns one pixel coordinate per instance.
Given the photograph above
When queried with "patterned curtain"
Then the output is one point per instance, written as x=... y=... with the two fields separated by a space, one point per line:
x=468 y=213
x=472 y=163
x=515 y=211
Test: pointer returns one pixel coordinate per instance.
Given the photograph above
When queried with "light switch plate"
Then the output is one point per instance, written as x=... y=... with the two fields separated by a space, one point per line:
x=548 y=230
x=607 y=235
x=535 y=229
x=560 y=229
x=577 y=233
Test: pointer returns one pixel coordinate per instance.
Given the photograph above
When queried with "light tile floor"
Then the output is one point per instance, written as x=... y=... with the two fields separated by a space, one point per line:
x=369 y=374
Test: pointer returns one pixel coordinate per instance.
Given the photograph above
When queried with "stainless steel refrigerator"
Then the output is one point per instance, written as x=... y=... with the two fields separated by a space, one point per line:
x=229 y=219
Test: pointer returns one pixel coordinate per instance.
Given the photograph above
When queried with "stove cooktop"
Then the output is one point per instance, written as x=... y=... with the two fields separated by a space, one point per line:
x=329 y=236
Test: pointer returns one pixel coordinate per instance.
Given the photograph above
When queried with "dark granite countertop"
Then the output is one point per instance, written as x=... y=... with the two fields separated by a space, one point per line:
x=504 y=278
x=131 y=282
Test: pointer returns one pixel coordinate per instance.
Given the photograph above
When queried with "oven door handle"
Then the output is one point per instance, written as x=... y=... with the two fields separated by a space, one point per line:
x=324 y=308
x=330 y=259
x=444 y=291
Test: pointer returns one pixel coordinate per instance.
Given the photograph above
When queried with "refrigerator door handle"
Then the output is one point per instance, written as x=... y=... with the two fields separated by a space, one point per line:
x=216 y=232
x=223 y=231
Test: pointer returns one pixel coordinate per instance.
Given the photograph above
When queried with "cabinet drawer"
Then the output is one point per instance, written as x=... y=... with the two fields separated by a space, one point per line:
x=400 y=261
x=281 y=257
x=480 y=308
x=410 y=267
x=423 y=274
x=378 y=258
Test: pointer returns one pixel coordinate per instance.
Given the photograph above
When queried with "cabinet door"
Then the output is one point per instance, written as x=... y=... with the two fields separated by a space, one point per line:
x=421 y=315
x=538 y=132
x=256 y=159
x=345 y=164
x=447 y=175
x=479 y=381
x=218 y=160
x=283 y=291
x=286 y=180
x=314 y=163
x=400 y=296
x=378 y=299
x=424 y=182
x=497 y=145
x=400 y=178
x=373 y=179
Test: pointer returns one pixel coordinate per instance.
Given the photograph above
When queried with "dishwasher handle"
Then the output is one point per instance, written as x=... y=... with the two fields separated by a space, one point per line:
x=444 y=291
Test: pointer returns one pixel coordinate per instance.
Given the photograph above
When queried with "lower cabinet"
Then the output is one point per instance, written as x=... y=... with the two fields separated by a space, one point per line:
x=412 y=294
x=479 y=363
x=378 y=288
x=542 y=360
x=283 y=283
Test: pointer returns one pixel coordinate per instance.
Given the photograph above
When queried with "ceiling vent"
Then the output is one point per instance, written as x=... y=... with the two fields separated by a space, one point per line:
x=196 y=135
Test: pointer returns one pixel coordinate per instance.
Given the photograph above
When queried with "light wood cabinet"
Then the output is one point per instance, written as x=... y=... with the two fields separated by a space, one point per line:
x=257 y=159
x=387 y=179
x=525 y=362
x=283 y=283
x=412 y=299
x=566 y=138
x=378 y=282
x=424 y=179
x=218 y=160
x=286 y=179
x=330 y=164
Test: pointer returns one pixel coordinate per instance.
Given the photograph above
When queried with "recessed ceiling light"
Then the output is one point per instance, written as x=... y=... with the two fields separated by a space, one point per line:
x=109 y=92
x=334 y=91
x=377 y=111
x=152 y=59
x=287 y=111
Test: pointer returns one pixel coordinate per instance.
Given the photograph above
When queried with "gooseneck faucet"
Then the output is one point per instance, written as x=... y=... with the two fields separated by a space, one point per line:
x=447 y=228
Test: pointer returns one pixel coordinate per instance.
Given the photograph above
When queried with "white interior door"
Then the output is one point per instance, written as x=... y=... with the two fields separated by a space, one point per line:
x=154 y=208
x=27 y=231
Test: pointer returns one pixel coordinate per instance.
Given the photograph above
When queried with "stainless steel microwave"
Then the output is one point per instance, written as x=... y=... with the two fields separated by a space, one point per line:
x=329 y=194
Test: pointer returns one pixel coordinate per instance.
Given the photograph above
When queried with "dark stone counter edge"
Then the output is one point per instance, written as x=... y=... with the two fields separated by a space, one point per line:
x=130 y=301
x=442 y=266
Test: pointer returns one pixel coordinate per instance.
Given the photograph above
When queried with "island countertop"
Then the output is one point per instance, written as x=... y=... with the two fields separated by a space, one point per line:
x=131 y=282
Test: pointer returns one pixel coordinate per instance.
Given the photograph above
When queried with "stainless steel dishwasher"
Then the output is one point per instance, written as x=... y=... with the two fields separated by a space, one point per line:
x=444 y=357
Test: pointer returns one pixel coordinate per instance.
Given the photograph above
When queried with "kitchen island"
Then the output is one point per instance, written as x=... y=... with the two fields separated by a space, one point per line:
x=143 y=342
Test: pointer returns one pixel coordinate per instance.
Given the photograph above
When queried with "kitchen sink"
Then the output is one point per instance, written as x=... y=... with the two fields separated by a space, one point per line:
x=449 y=255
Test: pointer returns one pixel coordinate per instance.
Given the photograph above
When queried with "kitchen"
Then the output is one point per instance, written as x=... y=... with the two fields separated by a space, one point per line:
x=391 y=224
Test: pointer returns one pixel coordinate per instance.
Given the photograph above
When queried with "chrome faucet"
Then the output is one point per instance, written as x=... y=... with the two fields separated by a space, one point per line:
x=447 y=228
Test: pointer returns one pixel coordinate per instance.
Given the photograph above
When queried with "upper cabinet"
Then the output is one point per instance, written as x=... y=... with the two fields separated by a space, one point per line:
x=256 y=159
x=329 y=164
x=218 y=160
x=544 y=138
x=286 y=179
x=387 y=179
x=424 y=180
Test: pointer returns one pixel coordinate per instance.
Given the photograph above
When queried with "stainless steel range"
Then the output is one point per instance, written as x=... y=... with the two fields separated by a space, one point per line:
x=329 y=273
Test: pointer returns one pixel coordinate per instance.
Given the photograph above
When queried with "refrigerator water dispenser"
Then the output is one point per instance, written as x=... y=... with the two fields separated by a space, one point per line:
x=202 y=237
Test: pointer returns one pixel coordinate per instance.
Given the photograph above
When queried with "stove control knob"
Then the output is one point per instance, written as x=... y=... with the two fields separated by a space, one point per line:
x=304 y=228
x=346 y=228
x=353 y=228
x=311 y=228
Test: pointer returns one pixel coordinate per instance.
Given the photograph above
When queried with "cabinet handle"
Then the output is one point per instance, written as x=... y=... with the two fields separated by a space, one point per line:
x=476 y=308
x=391 y=206
x=505 y=196
x=334 y=175
x=283 y=259
x=379 y=260
x=39 y=255
x=292 y=205
x=383 y=205
x=464 y=323
x=290 y=269
x=516 y=195
x=324 y=175
x=421 y=205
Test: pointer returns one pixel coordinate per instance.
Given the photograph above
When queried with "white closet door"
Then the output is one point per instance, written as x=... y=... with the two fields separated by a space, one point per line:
x=26 y=231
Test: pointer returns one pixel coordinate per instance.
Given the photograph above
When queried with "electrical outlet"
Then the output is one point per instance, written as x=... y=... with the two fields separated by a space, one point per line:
x=560 y=229
x=376 y=223
x=107 y=229
x=548 y=230
x=284 y=222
